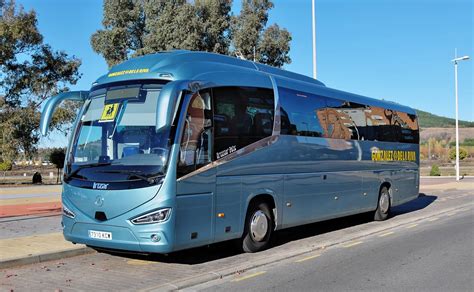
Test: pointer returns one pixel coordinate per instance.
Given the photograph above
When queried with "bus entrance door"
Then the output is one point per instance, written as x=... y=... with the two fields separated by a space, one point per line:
x=196 y=177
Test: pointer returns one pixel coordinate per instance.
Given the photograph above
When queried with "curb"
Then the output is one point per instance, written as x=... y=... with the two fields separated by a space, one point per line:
x=44 y=257
x=219 y=274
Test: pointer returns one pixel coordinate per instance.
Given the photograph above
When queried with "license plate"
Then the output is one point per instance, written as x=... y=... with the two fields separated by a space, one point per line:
x=100 y=235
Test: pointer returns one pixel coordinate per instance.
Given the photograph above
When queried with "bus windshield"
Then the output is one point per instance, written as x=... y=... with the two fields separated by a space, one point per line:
x=116 y=134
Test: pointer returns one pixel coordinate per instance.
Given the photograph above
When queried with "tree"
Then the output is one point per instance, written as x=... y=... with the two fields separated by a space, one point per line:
x=57 y=157
x=215 y=17
x=30 y=72
x=462 y=154
x=268 y=46
x=124 y=24
x=148 y=26
x=274 y=46
x=20 y=132
x=247 y=27
x=176 y=26
x=435 y=170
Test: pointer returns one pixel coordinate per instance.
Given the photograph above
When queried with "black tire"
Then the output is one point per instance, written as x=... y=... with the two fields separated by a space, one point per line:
x=252 y=241
x=383 y=205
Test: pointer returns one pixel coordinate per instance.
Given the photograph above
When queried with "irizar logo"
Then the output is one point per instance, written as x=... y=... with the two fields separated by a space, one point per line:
x=99 y=186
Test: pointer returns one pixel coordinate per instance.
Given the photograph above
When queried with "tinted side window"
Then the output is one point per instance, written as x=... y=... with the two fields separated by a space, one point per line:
x=242 y=116
x=346 y=120
x=302 y=114
x=407 y=127
x=391 y=126
x=380 y=126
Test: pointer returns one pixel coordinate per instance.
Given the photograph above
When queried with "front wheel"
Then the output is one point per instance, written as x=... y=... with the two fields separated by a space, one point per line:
x=259 y=227
x=383 y=205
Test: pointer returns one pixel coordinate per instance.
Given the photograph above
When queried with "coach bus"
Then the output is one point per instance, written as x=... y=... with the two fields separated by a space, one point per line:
x=181 y=149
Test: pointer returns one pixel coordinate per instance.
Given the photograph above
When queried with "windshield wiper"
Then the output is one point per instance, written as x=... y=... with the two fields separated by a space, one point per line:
x=134 y=173
x=73 y=173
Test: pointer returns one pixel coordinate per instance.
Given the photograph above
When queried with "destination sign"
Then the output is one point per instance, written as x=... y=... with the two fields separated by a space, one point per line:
x=131 y=71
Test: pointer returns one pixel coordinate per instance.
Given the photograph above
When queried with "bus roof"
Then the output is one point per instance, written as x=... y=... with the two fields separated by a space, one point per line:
x=189 y=65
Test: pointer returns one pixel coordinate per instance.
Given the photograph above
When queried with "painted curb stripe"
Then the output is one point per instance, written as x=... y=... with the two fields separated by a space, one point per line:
x=386 y=234
x=307 y=258
x=249 y=276
x=352 y=244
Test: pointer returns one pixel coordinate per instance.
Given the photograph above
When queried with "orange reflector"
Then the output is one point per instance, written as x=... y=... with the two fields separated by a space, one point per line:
x=220 y=215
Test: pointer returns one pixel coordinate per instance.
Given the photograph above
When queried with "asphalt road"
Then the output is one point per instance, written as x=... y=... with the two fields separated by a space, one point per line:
x=12 y=227
x=435 y=256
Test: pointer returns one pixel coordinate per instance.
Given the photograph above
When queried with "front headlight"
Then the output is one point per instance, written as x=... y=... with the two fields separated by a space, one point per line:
x=68 y=213
x=157 y=216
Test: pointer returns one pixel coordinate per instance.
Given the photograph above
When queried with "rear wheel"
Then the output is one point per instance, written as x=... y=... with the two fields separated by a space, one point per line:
x=259 y=227
x=383 y=205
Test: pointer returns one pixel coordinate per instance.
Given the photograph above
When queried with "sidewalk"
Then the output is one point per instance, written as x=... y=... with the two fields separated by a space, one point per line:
x=19 y=201
x=52 y=246
x=43 y=241
x=37 y=248
x=446 y=183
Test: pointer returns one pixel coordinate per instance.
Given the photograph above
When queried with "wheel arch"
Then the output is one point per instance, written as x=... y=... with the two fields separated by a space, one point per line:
x=267 y=197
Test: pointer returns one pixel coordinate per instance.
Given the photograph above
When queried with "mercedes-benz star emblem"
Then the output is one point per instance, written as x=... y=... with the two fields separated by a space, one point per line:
x=99 y=201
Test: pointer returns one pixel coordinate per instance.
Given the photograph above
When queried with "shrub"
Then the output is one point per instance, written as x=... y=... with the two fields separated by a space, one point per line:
x=6 y=166
x=462 y=153
x=435 y=170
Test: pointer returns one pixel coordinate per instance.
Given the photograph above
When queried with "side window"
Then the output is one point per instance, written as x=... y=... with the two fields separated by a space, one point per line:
x=196 y=142
x=389 y=126
x=302 y=114
x=408 y=127
x=357 y=113
x=379 y=124
x=90 y=135
x=242 y=116
x=345 y=120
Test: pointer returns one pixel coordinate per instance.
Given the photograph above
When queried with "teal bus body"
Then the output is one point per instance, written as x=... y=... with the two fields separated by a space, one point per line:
x=302 y=174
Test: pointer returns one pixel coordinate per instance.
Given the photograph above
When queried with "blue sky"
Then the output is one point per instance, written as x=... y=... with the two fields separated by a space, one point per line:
x=398 y=50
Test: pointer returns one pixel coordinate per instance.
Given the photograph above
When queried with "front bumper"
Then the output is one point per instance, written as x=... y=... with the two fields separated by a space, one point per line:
x=125 y=235
x=123 y=238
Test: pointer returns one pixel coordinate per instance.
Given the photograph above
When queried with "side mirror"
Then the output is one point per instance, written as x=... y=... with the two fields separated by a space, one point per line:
x=53 y=102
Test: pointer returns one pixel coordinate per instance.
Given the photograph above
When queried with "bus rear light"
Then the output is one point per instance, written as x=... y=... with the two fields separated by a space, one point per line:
x=68 y=213
x=153 y=217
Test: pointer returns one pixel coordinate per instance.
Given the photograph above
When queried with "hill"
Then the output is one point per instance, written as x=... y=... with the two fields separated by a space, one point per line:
x=428 y=120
